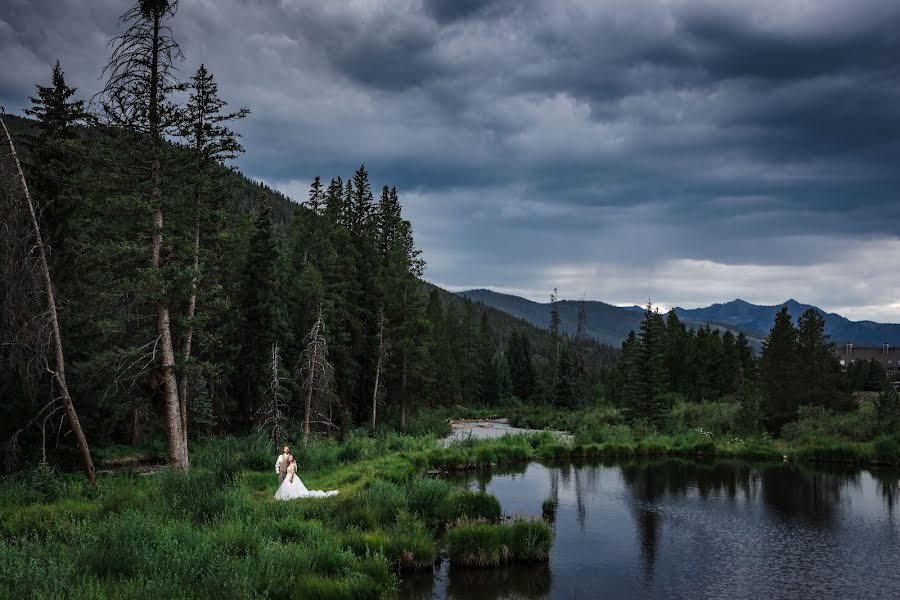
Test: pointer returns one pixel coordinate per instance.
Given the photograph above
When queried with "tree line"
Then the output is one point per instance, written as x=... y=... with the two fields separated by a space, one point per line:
x=665 y=361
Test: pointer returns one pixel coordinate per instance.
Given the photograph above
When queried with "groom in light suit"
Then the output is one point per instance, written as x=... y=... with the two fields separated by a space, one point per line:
x=281 y=464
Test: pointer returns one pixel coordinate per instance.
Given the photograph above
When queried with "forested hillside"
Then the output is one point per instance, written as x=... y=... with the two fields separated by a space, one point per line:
x=192 y=300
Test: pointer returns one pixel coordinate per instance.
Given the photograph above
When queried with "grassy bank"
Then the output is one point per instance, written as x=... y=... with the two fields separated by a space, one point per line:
x=217 y=532
x=689 y=429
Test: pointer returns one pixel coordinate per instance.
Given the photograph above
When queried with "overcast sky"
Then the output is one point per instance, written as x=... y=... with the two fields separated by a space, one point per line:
x=685 y=151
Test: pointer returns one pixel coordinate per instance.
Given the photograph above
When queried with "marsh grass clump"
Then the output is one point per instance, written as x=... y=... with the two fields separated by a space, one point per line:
x=482 y=545
x=426 y=498
x=548 y=508
x=466 y=504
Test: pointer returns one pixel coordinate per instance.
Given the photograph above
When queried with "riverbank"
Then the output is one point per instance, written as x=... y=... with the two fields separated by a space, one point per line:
x=217 y=532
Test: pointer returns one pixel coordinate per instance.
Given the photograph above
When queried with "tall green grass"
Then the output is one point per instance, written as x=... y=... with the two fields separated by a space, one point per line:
x=480 y=544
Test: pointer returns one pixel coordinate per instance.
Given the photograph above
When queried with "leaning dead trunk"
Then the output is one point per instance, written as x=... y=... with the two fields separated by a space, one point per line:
x=59 y=372
x=379 y=367
x=178 y=451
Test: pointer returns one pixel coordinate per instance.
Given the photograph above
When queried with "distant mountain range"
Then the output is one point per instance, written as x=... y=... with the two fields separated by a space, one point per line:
x=757 y=320
x=610 y=324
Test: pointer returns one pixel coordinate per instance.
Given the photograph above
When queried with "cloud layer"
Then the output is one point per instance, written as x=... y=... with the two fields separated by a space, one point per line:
x=689 y=151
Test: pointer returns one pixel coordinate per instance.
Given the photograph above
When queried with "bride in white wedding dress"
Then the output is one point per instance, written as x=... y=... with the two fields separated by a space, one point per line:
x=292 y=488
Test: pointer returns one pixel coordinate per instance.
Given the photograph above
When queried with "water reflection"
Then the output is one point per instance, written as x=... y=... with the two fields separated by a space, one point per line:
x=681 y=528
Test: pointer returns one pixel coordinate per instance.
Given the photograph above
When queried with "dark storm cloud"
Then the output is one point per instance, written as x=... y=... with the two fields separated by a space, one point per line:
x=687 y=150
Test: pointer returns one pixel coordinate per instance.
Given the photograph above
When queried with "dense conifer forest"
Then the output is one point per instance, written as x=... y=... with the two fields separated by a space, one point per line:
x=276 y=312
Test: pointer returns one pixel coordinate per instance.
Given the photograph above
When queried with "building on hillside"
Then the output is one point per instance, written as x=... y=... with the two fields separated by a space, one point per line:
x=886 y=355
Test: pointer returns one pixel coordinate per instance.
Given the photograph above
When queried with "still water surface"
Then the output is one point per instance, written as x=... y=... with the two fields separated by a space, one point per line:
x=683 y=529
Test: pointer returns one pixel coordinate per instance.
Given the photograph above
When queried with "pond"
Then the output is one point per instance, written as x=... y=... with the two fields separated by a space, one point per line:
x=685 y=529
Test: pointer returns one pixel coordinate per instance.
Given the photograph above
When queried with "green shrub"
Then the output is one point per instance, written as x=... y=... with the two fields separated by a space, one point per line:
x=815 y=423
x=45 y=482
x=317 y=453
x=717 y=417
x=604 y=433
x=471 y=505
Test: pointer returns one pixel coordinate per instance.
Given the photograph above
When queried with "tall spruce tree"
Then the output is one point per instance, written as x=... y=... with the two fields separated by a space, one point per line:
x=207 y=133
x=778 y=374
x=54 y=169
x=136 y=105
x=521 y=367
x=259 y=313
x=817 y=366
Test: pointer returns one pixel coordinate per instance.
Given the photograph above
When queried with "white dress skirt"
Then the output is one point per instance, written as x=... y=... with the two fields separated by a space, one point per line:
x=291 y=490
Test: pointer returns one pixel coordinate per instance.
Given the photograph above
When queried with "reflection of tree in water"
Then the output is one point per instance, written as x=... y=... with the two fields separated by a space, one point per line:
x=797 y=491
x=528 y=582
x=647 y=482
x=889 y=486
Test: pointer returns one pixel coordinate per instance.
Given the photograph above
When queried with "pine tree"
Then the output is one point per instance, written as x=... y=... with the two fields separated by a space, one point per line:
x=136 y=105
x=206 y=130
x=565 y=388
x=489 y=381
x=554 y=324
x=55 y=167
x=676 y=350
x=521 y=368
x=817 y=366
x=259 y=311
x=779 y=372
x=649 y=370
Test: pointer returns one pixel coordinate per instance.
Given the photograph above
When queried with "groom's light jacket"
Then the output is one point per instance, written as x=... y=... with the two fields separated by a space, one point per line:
x=281 y=464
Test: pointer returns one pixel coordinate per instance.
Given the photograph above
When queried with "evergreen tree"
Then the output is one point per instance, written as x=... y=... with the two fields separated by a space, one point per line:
x=778 y=366
x=521 y=368
x=55 y=167
x=136 y=106
x=676 y=342
x=565 y=389
x=206 y=130
x=554 y=324
x=649 y=376
x=817 y=366
x=259 y=312
x=488 y=382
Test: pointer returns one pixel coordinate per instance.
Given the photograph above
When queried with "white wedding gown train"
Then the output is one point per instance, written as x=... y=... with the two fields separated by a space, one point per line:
x=291 y=490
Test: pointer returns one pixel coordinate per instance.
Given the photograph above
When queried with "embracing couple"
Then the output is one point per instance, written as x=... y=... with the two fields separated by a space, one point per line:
x=289 y=485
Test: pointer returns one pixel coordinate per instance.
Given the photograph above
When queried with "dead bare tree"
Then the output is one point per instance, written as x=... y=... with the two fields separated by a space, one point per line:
x=22 y=233
x=380 y=366
x=274 y=411
x=316 y=376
